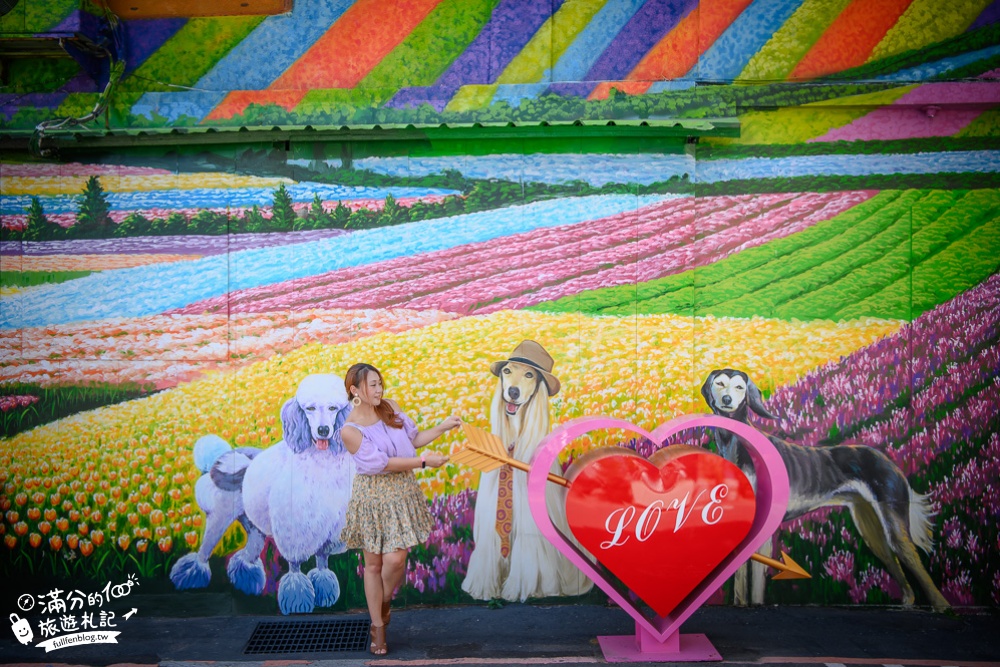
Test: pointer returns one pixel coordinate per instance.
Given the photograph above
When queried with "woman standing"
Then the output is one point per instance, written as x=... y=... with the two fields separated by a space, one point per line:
x=387 y=513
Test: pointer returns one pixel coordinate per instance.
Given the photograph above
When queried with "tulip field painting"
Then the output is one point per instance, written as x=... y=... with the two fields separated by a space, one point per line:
x=149 y=301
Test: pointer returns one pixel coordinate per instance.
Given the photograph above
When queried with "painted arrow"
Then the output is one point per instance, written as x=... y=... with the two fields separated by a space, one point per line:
x=485 y=452
x=130 y=612
x=786 y=567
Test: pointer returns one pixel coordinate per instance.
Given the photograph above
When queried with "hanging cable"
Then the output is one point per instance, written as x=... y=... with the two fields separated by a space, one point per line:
x=115 y=72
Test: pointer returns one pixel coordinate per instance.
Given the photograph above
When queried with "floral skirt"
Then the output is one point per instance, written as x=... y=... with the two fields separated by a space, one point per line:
x=387 y=512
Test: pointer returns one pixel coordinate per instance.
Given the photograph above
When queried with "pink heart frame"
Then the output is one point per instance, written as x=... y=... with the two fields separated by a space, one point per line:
x=772 y=500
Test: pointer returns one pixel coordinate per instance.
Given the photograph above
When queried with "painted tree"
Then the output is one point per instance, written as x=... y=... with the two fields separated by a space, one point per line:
x=134 y=224
x=283 y=215
x=317 y=218
x=392 y=213
x=39 y=228
x=341 y=216
x=253 y=220
x=208 y=222
x=93 y=220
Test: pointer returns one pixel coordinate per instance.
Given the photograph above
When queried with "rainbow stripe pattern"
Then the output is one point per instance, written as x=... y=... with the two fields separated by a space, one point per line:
x=461 y=55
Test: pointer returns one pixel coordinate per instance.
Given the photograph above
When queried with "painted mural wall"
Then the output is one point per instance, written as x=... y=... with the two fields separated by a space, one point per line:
x=160 y=307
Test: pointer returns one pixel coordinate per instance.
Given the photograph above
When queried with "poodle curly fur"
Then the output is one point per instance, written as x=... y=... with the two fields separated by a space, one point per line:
x=295 y=491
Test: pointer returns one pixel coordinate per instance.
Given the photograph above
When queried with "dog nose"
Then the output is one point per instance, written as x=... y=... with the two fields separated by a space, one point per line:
x=513 y=392
x=323 y=431
x=726 y=400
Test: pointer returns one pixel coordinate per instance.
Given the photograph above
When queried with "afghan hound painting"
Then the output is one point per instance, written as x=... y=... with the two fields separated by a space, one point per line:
x=892 y=518
x=295 y=491
x=511 y=559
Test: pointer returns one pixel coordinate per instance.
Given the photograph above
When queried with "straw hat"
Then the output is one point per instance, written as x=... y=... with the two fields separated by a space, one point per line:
x=531 y=354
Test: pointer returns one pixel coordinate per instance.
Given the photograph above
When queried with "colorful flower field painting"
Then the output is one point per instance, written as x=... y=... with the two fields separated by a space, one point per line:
x=157 y=319
x=801 y=195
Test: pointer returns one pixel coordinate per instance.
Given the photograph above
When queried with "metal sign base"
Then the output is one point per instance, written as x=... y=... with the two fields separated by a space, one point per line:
x=644 y=647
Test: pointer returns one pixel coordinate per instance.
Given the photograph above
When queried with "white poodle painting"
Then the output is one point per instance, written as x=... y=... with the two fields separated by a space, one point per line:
x=295 y=491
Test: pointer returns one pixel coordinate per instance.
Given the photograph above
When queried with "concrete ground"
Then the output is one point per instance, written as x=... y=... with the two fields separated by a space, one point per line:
x=565 y=635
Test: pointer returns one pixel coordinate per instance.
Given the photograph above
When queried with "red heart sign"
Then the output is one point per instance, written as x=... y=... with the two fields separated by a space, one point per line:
x=772 y=499
x=660 y=525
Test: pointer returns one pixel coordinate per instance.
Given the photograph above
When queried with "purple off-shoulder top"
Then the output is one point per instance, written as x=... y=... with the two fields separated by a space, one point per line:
x=379 y=442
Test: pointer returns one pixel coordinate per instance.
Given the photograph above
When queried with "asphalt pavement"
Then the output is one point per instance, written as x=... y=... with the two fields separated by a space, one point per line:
x=526 y=634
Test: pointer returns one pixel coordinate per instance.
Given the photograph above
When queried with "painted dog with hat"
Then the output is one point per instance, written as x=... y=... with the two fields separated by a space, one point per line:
x=511 y=559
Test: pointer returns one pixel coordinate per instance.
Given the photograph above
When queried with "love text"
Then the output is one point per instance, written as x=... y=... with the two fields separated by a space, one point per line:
x=619 y=523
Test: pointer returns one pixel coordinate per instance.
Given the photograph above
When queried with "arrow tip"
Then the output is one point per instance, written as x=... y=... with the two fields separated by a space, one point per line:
x=792 y=570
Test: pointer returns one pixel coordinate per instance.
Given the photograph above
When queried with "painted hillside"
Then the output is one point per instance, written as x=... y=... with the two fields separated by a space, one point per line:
x=364 y=62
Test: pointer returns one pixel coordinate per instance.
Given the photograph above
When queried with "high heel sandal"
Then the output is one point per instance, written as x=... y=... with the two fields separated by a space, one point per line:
x=378 y=646
x=386 y=612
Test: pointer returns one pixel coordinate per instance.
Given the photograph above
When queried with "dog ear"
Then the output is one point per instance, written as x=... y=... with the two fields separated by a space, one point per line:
x=295 y=427
x=536 y=419
x=339 y=422
x=498 y=423
x=755 y=401
x=706 y=390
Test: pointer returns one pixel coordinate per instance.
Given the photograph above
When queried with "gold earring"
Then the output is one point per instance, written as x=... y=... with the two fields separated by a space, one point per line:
x=356 y=401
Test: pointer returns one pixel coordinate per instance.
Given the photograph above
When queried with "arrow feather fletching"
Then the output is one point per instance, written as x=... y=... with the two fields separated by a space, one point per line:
x=483 y=451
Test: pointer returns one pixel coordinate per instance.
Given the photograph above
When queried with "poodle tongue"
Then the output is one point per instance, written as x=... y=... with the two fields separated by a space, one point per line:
x=322 y=443
x=512 y=408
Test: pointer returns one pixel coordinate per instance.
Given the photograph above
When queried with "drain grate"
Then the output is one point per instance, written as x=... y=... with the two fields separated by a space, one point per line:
x=309 y=636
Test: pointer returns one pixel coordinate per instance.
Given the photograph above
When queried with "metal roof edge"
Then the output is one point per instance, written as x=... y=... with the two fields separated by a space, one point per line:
x=726 y=127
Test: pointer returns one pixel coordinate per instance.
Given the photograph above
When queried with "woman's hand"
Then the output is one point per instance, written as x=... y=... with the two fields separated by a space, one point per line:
x=449 y=423
x=432 y=434
x=435 y=460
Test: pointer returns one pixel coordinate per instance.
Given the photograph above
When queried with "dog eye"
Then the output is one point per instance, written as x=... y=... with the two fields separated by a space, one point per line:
x=506 y=371
x=311 y=409
x=529 y=374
